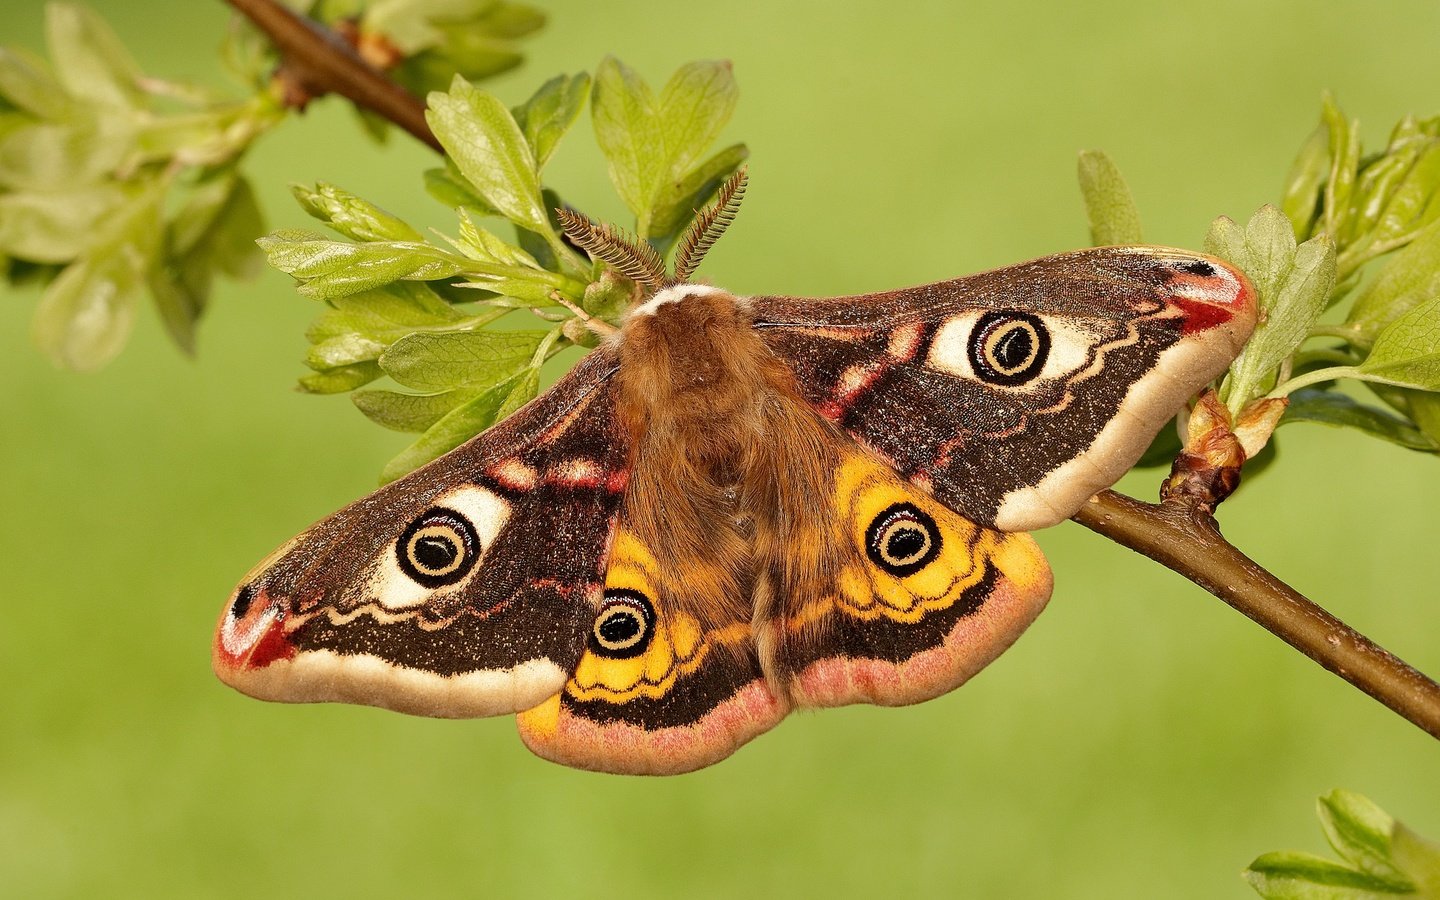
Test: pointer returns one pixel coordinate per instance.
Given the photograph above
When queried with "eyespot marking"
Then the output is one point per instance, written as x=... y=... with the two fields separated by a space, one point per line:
x=243 y=598
x=902 y=539
x=1199 y=267
x=624 y=626
x=438 y=548
x=1008 y=348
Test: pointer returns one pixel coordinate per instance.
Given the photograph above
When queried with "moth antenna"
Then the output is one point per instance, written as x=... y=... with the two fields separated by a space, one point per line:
x=632 y=257
x=710 y=224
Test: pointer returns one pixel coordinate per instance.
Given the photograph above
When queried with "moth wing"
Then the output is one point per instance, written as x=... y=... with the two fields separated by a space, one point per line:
x=465 y=588
x=921 y=598
x=659 y=690
x=1014 y=395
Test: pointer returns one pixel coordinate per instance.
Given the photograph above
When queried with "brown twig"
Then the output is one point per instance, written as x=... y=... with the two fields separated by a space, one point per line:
x=1183 y=536
x=321 y=62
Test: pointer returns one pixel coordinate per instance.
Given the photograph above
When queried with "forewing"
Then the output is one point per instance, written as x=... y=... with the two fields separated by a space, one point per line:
x=463 y=589
x=1014 y=395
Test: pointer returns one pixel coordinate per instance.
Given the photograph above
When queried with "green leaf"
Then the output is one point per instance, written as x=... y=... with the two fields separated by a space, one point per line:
x=353 y=216
x=1108 y=204
x=1360 y=832
x=1418 y=857
x=450 y=187
x=409 y=412
x=448 y=360
x=1407 y=352
x=1303 y=183
x=1341 y=411
x=334 y=268
x=218 y=227
x=56 y=227
x=48 y=156
x=479 y=244
x=679 y=200
x=89 y=59
x=26 y=81
x=85 y=315
x=1344 y=140
x=526 y=386
x=650 y=142
x=1293 y=284
x=458 y=426
x=1302 y=876
x=550 y=112
x=1407 y=279
x=338 y=381
x=481 y=136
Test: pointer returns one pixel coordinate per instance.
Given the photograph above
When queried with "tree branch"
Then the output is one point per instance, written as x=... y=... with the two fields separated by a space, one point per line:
x=1184 y=537
x=323 y=63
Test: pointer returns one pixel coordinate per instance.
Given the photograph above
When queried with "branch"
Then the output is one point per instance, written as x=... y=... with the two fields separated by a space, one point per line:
x=321 y=62
x=1183 y=536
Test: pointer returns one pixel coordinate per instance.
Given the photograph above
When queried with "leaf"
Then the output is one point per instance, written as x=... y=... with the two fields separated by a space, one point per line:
x=458 y=426
x=1418 y=857
x=409 y=412
x=1360 y=832
x=489 y=149
x=1407 y=352
x=1301 y=198
x=334 y=268
x=352 y=216
x=56 y=227
x=450 y=187
x=1108 y=204
x=26 y=81
x=550 y=112
x=1344 y=135
x=679 y=200
x=447 y=360
x=479 y=244
x=219 y=225
x=1293 y=284
x=526 y=386
x=387 y=314
x=89 y=59
x=1342 y=411
x=1407 y=279
x=652 y=142
x=1302 y=876
x=338 y=381
x=85 y=315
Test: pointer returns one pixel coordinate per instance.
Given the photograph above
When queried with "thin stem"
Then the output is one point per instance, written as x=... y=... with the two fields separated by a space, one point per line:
x=1187 y=541
x=326 y=64
x=1315 y=377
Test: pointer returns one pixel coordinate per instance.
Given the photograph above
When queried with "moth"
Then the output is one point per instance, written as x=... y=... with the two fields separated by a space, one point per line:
x=735 y=507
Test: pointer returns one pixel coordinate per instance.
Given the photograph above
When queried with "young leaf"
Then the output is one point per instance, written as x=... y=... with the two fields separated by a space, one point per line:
x=89 y=59
x=1360 y=832
x=550 y=112
x=447 y=360
x=1292 y=283
x=450 y=187
x=1344 y=135
x=1108 y=204
x=1407 y=279
x=1301 y=197
x=1407 y=352
x=26 y=82
x=1302 y=876
x=85 y=315
x=678 y=200
x=480 y=135
x=352 y=216
x=338 y=381
x=457 y=427
x=1341 y=411
x=414 y=413
x=1418 y=857
x=56 y=227
x=334 y=268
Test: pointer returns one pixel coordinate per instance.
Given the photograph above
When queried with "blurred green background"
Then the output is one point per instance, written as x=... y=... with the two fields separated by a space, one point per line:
x=1142 y=740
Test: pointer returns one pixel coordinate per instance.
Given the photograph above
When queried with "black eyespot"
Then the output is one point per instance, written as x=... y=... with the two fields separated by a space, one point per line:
x=624 y=625
x=902 y=540
x=438 y=548
x=1008 y=348
x=243 y=599
x=1199 y=267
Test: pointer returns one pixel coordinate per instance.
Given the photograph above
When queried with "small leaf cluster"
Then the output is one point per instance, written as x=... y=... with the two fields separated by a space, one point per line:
x=1323 y=316
x=426 y=311
x=1380 y=858
x=115 y=184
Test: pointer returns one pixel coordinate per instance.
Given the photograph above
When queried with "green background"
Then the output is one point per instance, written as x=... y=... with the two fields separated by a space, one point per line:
x=1142 y=740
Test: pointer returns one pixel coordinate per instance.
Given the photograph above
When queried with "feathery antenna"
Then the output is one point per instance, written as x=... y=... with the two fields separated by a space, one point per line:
x=709 y=225
x=633 y=258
